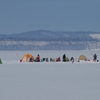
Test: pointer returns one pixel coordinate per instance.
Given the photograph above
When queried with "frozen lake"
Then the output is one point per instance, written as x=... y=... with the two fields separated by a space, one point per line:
x=49 y=80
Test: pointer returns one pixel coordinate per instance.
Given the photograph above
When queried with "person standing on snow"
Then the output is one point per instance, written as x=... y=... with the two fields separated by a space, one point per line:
x=95 y=57
x=72 y=59
x=64 y=57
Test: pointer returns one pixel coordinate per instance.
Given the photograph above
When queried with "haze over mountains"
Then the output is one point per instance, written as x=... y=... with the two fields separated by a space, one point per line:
x=51 y=40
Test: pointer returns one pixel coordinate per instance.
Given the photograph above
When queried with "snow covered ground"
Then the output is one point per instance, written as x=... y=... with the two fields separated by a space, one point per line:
x=49 y=80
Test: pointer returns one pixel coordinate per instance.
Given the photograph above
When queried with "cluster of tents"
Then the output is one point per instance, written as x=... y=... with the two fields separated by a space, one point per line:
x=30 y=58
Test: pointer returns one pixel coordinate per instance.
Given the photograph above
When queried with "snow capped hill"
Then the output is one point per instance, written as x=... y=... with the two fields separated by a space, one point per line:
x=95 y=36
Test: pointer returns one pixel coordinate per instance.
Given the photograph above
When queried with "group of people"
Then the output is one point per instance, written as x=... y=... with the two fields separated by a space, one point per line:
x=64 y=59
x=35 y=60
x=55 y=60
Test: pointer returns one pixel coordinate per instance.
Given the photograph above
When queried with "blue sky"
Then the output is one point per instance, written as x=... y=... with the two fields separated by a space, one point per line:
x=18 y=16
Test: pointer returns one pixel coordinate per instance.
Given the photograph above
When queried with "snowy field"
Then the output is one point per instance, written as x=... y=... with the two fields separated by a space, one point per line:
x=49 y=80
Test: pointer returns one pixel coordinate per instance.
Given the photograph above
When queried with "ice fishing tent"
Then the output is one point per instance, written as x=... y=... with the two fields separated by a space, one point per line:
x=82 y=57
x=26 y=57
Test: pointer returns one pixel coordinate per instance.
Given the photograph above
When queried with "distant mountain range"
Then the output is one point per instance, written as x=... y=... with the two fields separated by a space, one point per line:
x=51 y=40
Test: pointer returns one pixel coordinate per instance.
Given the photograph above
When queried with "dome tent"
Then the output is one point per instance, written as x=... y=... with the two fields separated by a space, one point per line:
x=26 y=57
x=82 y=57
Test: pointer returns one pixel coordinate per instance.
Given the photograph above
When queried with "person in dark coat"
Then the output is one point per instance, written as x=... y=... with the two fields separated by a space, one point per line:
x=31 y=59
x=72 y=59
x=64 y=57
x=95 y=57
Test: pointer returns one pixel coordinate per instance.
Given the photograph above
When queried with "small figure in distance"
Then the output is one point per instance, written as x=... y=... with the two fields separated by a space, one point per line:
x=72 y=59
x=95 y=57
x=64 y=58
x=58 y=59
x=38 y=58
x=31 y=59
